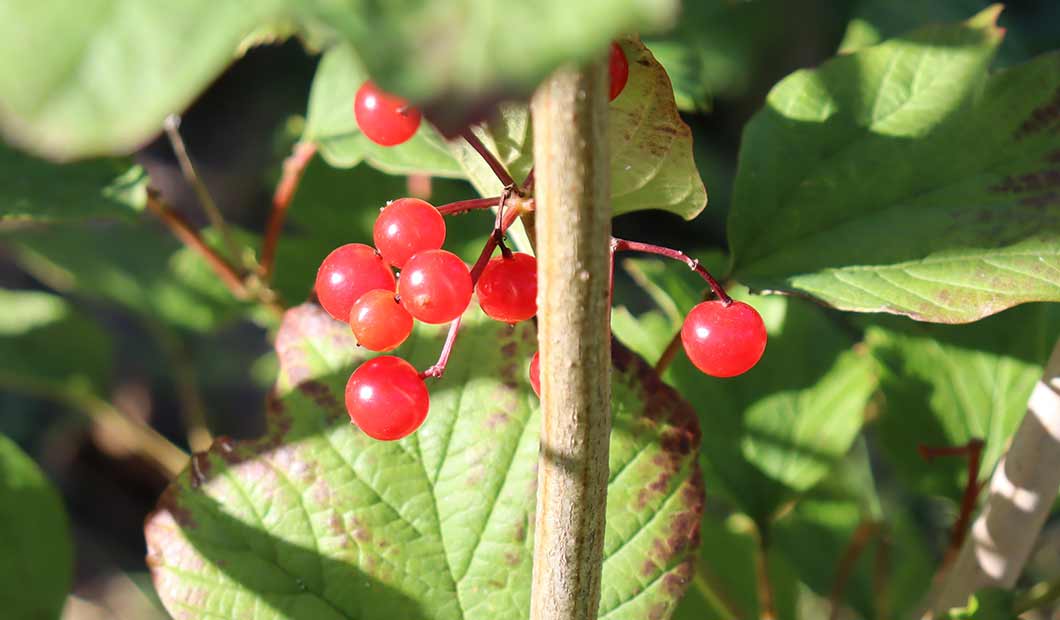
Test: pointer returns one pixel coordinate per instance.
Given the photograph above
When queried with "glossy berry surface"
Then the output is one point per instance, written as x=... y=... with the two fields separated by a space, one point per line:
x=535 y=373
x=407 y=227
x=619 y=68
x=379 y=322
x=385 y=119
x=386 y=398
x=435 y=286
x=724 y=341
x=507 y=288
x=347 y=273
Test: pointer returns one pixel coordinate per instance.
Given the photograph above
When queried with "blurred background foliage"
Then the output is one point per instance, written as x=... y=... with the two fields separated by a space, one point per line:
x=113 y=314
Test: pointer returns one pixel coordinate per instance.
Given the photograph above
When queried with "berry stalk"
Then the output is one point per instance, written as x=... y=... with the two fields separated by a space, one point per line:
x=624 y=245
x=293 y=169
x=498 y=168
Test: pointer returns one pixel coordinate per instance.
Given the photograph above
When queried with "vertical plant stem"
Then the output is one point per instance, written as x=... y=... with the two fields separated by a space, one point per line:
x=766 y=606
x=293 y=169
x=1022 y=491
x=573 y=232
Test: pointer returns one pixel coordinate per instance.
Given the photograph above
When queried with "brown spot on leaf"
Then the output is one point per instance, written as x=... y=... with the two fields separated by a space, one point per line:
x=512 y=558
x=496 y=419
x=1041 y=118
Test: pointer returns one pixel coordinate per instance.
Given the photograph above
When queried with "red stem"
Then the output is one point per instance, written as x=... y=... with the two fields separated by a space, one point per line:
x=463 y=206
x=293 y=169
x=620 y=245
x=973 y=451
x=494 y=164
x=507 y=218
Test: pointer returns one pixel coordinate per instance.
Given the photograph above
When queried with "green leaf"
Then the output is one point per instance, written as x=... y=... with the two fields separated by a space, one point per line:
x=986 y=604
x=104 y=73
x=902 y=179
x=777 y=430
x=943 y=385
x=317 y=520
x=47 y=347
x=330 y=124
x=457 y=54
x=36 y=190
x=134 y=264
x=876 y=20
x=35 y=539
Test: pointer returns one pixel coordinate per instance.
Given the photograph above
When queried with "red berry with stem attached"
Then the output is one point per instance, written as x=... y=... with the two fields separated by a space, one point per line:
x=386 y=398
x=379 y=322
x=435 y=286
x=347 y=273
x=535 y=373
x=507 y=288
x=407 y=227
x=619 y=68
x=724 y=341
x=383 y=118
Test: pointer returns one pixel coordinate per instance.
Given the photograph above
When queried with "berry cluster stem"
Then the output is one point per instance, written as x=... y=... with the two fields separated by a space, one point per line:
x=463 y=206
x=498 y=168
x=506 y=217
x=973 y=451
x=620 y=245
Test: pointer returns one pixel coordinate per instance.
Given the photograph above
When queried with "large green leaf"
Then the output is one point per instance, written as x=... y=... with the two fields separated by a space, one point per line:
x=902 y=179
x=943 y=385
x=318 y=521
x=34 y=537
x=104 y=73
x=98 y=77
x=36 y=190
x=48 y=348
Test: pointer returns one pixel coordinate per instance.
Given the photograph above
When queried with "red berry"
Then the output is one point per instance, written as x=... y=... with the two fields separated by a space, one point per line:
x=535 y=373
x=724 y=341
x=379 y=322
x=407 y=227
x=347 y=273
x=435 y=286
x=383 y=118
x=507 y=289
x=619 y=67
x=386 y=398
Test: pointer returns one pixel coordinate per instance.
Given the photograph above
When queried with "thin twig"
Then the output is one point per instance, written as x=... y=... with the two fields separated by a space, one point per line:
x=293 y=169
x=172 y=127
x=860 y=539
x=668 y=354
x=190 y=237
x=621 y=245
x=498 y=168
x=463 y=206
x=973 y=451
x=767 y=608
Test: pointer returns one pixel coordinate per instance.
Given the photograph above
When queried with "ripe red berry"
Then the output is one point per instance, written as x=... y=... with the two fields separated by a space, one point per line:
x=347 y=273
x=507 y=289
x=386 y=398
x=383 y=118
x=379 y=322
x=619 y=67
x=435 y=286
x=535 y=373
x=724 y=341
x=407 y=227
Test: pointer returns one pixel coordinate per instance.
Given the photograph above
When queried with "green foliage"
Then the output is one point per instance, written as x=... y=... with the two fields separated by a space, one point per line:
x=833 y=198
x=987 y=604
x=943 y=385
x=317 y=520
x=35 y=190
x=33 y=326
x=34 y=539
x=120 y=66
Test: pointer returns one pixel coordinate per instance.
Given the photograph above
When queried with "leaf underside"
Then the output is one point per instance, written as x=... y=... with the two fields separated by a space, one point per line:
x=315 y=520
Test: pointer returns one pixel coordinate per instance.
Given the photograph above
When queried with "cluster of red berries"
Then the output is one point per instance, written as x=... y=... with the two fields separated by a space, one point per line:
x=386 y=396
